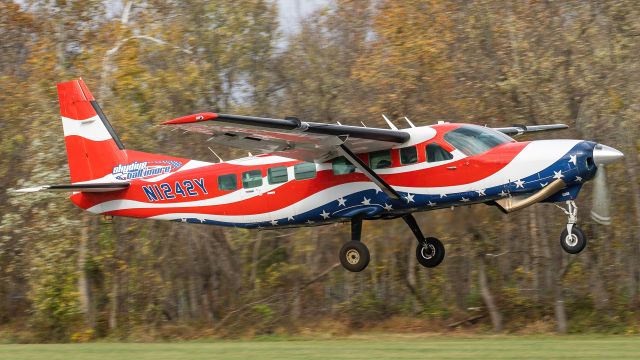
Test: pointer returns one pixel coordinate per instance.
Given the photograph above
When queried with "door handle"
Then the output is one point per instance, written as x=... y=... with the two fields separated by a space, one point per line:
x=451 y=167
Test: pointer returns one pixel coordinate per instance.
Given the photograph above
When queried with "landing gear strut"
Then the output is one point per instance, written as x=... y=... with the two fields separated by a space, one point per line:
x=354 y=255
x=430 y=251
x=572 y=238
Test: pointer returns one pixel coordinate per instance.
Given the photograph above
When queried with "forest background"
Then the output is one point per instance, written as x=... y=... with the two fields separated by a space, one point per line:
x=69 y=276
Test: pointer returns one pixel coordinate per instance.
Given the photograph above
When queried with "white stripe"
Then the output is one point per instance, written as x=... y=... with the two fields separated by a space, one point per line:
x=260 y=160
x=535 y=157
x=306 y=204
x=90 y=129
x=301 y=206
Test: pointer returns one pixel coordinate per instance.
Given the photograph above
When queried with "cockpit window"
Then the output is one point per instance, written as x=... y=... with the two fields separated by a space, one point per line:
x=436 y=153
x=472 y=139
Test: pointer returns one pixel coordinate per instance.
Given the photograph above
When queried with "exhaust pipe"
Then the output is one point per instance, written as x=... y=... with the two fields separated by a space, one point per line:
x=511 y=204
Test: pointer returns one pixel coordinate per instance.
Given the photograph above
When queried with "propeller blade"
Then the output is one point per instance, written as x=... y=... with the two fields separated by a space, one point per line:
x=600 y=210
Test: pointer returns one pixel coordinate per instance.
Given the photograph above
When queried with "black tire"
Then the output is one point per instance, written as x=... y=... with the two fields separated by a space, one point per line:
x=575 y=243
x=430 y=253
x=354 y=256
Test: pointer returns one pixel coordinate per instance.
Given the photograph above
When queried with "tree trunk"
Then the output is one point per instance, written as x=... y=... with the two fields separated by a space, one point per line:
x=494 y=313
x=84 y=286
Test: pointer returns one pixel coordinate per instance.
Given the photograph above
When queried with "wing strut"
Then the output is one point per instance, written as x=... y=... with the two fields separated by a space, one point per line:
x=360 y=165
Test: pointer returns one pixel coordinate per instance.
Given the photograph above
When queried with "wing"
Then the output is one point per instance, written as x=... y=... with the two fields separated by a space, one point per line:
x=289 y=137
x=523 y=129
x=89 y=187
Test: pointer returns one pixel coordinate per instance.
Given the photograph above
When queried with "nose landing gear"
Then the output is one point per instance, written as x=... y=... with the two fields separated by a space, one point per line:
x=354 y=255
x=572 y=238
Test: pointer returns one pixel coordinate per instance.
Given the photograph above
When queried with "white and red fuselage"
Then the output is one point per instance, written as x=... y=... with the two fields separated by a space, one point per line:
x=275 y=191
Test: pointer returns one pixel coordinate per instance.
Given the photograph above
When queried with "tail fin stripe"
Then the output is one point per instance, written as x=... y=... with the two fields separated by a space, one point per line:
x=89 y=129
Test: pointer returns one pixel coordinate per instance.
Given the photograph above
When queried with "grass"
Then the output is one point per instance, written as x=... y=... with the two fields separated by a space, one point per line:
x=356 y=347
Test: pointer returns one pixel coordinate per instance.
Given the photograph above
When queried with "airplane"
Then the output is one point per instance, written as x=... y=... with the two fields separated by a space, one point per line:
x=311 y=174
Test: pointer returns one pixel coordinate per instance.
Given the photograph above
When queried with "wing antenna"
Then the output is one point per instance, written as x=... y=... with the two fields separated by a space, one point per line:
x=409 y=122
x=393 y=127
x=214 y=153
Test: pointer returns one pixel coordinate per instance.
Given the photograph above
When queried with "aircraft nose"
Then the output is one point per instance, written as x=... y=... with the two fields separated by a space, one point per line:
x=603 y=154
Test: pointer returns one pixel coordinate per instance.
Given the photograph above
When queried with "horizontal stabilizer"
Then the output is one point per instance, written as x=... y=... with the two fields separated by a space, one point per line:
x=94 y=187
x=523 y=129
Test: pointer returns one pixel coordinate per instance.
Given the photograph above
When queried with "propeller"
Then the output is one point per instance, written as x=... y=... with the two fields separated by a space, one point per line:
x=601 y=208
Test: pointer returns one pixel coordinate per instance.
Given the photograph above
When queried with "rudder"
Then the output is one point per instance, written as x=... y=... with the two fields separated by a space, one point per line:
x=93 y=148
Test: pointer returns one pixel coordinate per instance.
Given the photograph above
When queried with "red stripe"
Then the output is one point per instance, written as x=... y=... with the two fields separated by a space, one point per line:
x=73 y=102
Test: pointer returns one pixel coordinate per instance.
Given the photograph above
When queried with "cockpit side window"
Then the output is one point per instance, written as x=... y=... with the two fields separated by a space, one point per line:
x=472 y=139
x=436 y=153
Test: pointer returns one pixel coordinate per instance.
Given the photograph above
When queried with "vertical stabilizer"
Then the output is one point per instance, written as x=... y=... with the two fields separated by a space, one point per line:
x=93 y=148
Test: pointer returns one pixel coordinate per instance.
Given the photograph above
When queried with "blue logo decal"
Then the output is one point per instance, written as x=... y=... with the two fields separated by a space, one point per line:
x=139 y=170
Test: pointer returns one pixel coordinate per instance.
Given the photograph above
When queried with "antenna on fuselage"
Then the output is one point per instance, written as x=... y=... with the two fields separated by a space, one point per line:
x=409 y=122
x=338 y=122
x=393 y=127
x=363 y=124
x=214 y=153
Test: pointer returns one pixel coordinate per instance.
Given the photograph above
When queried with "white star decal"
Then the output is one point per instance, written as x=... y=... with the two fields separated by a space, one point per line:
x=409 y=198
x=388 y=207
x=481 y=192
x=366 y=201
x=558 y=174
x=183 y=220
x=324 y=214
x=572 y=159
x=443 y=195
x=202 y=221
x=578 y=179
x=503 y=193
x=290 y=218
x=543 y=184
x=309 y=222
x=274 y=222
x=519 y=184
x=378 y=190
x=341 y=202
x=464 y=199
x=431 y=203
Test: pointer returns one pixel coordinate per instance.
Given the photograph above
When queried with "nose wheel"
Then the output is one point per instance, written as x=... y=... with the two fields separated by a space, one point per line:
x=572 y=238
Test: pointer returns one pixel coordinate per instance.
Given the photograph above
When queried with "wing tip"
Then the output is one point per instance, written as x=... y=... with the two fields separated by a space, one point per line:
x=192 y=118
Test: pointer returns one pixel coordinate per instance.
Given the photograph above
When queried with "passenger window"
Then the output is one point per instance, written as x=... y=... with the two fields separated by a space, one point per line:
x=227 y=182
x=380 y=159
x=408 y=155
x=304 y=171
x=342 y=166
x=277 y=175
x=436 y=153
x=251 y=179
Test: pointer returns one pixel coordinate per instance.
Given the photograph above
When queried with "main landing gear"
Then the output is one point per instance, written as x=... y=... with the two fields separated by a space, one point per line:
x=354 y=255
x=429 y=251
x=572 y=238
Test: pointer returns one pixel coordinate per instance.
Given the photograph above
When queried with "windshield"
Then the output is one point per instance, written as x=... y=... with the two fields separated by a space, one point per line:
x=473 y=139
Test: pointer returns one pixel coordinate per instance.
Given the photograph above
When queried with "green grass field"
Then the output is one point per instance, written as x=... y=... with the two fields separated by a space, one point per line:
x=365 y=347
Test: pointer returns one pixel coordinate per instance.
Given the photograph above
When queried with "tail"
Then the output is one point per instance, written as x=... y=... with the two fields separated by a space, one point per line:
x=93 y=148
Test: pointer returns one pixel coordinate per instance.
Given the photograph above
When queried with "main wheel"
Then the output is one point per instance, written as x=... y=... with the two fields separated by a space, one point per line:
x=575 y=242
x=430 y=253
x=354 y=256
